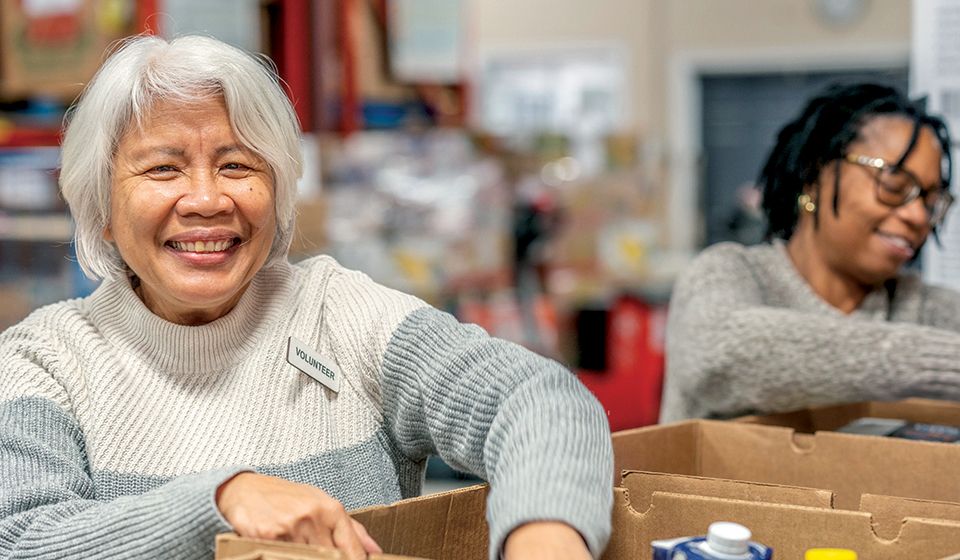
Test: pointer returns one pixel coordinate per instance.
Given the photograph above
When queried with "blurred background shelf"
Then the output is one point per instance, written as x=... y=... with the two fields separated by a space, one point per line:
x=45 y=228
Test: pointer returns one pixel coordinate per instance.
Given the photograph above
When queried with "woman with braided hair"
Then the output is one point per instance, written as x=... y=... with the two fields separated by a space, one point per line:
x=824 y=312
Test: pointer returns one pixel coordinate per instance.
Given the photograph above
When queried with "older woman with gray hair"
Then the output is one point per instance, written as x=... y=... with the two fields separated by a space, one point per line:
x=208 y=385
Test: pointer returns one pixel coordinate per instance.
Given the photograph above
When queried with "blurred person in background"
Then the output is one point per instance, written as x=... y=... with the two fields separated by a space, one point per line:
x=172 y=404
x=824 y=312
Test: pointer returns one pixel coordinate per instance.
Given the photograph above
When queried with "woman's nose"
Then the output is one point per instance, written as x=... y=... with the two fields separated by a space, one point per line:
x=915 y=213
x=204 y=197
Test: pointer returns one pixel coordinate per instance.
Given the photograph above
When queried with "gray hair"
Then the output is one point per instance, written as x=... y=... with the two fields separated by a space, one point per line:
x=144 y=70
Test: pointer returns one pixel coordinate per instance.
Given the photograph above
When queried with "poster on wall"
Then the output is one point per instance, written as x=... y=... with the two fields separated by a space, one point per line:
x=427 y=40
x=935 y=74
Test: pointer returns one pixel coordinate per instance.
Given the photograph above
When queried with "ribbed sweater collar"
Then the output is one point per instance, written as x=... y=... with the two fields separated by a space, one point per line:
x=126 y=322
x=875 y=304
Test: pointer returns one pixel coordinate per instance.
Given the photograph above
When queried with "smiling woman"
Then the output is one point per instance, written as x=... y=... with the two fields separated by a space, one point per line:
x=824 y=312
x=209 y=385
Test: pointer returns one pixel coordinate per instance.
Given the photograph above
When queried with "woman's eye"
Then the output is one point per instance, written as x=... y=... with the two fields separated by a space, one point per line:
x=162 y=170
x=896 y=181
x=235 y=169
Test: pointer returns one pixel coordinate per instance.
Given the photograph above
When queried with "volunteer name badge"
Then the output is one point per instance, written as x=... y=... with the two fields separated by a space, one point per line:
x=302 y=357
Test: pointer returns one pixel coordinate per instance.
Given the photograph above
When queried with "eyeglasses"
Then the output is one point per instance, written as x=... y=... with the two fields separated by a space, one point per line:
x=897 y=187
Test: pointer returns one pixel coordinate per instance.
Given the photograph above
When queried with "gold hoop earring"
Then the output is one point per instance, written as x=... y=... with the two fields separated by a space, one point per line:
x=806 y=203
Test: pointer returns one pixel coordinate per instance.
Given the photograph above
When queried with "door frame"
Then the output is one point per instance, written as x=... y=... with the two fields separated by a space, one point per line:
x=685 y=103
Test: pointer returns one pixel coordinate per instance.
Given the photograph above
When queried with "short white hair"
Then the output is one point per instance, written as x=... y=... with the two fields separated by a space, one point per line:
x=147 y=69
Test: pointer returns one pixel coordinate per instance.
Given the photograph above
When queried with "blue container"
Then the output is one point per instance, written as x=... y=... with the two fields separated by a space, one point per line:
x=724 y=541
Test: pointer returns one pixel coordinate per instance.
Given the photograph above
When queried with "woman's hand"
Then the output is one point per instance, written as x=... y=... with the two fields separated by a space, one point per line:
x=267 y=507
x=546 y=539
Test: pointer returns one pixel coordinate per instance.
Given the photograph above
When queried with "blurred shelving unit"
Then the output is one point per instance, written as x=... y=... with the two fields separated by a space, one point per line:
x=48 y=51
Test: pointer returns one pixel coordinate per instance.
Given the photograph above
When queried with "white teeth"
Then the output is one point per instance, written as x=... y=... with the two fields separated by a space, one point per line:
x=898 y=241
x=201 y=247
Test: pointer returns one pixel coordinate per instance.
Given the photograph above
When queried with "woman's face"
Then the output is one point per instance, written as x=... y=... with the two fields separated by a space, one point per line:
x=868 y=241
x=192 y=211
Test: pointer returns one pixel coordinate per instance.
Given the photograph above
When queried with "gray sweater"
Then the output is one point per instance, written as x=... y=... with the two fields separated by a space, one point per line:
x=747 y=334
x=116 y=427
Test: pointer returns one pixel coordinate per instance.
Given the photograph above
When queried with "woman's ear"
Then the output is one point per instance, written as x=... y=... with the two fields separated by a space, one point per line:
x=107 y=234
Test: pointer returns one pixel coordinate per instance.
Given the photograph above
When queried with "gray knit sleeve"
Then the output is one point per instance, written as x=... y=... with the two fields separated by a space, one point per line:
x=940 y=307
x=49 y=506
x=494 y=409
x=729 y=353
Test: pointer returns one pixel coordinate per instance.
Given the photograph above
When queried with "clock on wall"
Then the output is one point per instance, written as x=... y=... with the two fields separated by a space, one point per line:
x=840 y=13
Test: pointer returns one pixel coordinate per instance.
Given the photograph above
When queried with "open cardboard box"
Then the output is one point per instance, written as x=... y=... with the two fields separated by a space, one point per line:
x=445 y=525
x=884 y=498
x=828 y=418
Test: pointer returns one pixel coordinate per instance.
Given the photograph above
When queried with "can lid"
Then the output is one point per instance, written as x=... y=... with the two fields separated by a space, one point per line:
x=830 y=554
x=728 y=538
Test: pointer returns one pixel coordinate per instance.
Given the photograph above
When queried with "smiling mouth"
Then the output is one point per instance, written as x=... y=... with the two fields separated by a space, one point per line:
x=898 y=241
x=203 y=246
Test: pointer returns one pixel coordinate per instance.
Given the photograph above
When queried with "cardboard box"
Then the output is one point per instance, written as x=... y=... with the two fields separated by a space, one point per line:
x=653 y=506
x=444 y=525
x=884 y=498
x=823 y=418
x=54 y=48
x=232 y=547
x=789 y=529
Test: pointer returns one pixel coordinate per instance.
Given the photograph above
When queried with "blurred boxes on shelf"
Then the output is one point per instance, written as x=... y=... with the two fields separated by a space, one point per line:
x=310 y=235
x=612 y=238
x=28 y=180
x=54 y=48
x=420 y=212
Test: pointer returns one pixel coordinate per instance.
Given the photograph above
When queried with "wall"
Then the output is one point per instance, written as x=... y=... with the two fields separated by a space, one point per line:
x=669 y=42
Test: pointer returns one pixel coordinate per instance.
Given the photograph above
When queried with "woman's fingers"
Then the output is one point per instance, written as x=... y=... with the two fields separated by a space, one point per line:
x=346 y=540
x=366 y=540
x=272 y=508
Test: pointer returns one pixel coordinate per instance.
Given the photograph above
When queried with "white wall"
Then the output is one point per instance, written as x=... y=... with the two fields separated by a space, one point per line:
x=669 y=42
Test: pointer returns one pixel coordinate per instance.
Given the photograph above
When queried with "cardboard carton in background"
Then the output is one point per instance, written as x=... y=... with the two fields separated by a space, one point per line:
x=827 y=418
x=845 y=464
x=54 y=48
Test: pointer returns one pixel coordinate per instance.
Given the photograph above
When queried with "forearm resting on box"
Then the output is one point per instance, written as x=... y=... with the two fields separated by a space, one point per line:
x=766 y=359
x=546 y=540
x=50 y=508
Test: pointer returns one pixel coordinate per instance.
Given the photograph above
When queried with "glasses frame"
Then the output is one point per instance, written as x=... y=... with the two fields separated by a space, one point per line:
x=935 y=212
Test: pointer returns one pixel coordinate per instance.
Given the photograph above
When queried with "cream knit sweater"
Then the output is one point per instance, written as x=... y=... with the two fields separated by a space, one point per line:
x=116 y=427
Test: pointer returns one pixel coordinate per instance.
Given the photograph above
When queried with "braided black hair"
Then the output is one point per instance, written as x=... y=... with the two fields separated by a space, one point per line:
x=829 y=123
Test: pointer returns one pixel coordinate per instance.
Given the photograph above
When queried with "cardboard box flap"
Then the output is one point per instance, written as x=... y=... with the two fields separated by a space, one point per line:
x=233 y=547
x=641 y=485
x=836 y=416
x=788 y=529
x=445 y=525
x=889 y=511
x=665 y=448
x=848 y=465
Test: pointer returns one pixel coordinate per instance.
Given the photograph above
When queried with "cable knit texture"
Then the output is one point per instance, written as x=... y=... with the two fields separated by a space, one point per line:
x=746 y=334
x=116 y=427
